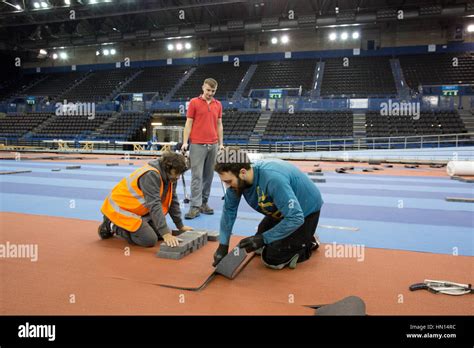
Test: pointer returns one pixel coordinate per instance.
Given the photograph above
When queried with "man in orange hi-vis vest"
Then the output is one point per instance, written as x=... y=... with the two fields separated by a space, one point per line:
x=136 y=207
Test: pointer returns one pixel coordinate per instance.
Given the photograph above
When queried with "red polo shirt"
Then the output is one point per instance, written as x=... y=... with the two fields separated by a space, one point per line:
x=204 y=117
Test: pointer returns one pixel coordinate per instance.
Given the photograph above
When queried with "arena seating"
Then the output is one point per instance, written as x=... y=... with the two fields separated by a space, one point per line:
x=17 y=125
x=98 y=86
x=283 y=74
x=365 y=76
x=15 y=87
x=238 y=125
x=126 y=124
x=72 y=126
x=311 y=124
x=437 y=69
x=55 y=84
x=227 y=75
x=438 y=122
x=156 y=79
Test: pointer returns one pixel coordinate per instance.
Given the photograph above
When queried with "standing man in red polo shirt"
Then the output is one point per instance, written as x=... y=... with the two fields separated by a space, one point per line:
x=204 y=131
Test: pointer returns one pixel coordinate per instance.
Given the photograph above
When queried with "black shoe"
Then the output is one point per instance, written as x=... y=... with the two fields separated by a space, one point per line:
x=105 y=230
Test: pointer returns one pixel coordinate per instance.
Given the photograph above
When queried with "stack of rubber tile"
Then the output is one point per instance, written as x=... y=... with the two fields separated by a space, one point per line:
x=190 y=242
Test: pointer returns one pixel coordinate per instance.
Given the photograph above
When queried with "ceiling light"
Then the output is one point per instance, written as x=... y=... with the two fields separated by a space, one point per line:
x=170 y=47
x=332 y=36
x=179 y=46
x=284 y=39
x=355 y=35
x=274 y=40
x=344 y=36
x=187 y=45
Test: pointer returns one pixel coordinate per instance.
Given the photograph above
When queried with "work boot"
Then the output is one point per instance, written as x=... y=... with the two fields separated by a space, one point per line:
x=205 y=209
x=192 y=213
x=105 y=229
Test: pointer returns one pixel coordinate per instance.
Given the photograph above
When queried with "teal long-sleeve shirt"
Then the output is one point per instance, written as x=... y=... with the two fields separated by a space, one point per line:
x=279 y=190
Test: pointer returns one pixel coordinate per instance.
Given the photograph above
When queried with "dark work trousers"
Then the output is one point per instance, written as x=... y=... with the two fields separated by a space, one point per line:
x=145 y=236
x=299 y=242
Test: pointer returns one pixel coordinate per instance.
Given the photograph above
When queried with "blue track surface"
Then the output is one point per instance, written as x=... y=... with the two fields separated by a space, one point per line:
x=393 y=212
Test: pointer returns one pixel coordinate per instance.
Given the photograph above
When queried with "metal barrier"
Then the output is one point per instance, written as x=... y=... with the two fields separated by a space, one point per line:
x=408 y=142
x=338 y=144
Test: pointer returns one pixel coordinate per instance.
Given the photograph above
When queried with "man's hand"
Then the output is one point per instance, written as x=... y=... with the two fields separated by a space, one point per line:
x=252 y=243
x=184 y=147
x=220 y=253
x=171 y=240
x=221 y=147
x=186 y=228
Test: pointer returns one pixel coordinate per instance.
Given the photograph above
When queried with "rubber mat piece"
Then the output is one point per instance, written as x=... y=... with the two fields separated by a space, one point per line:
x=318 y=180
x=229 y=265
x=351 y=305
x=460 y=199
x=5 y=172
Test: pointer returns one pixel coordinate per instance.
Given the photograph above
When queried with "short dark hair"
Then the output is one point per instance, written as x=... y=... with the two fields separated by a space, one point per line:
x=232 y=159
x=172 y=160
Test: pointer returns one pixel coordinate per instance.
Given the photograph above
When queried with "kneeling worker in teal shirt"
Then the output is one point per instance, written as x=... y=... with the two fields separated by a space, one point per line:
x=290 y=201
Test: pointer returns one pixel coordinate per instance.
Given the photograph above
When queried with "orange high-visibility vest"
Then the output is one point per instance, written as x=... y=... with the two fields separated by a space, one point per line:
x=125 y=205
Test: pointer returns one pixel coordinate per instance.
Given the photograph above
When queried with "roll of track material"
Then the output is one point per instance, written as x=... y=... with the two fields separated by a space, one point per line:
x=460 y=168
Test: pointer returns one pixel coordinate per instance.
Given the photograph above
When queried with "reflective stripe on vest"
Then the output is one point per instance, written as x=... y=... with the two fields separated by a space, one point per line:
x=125 y=205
